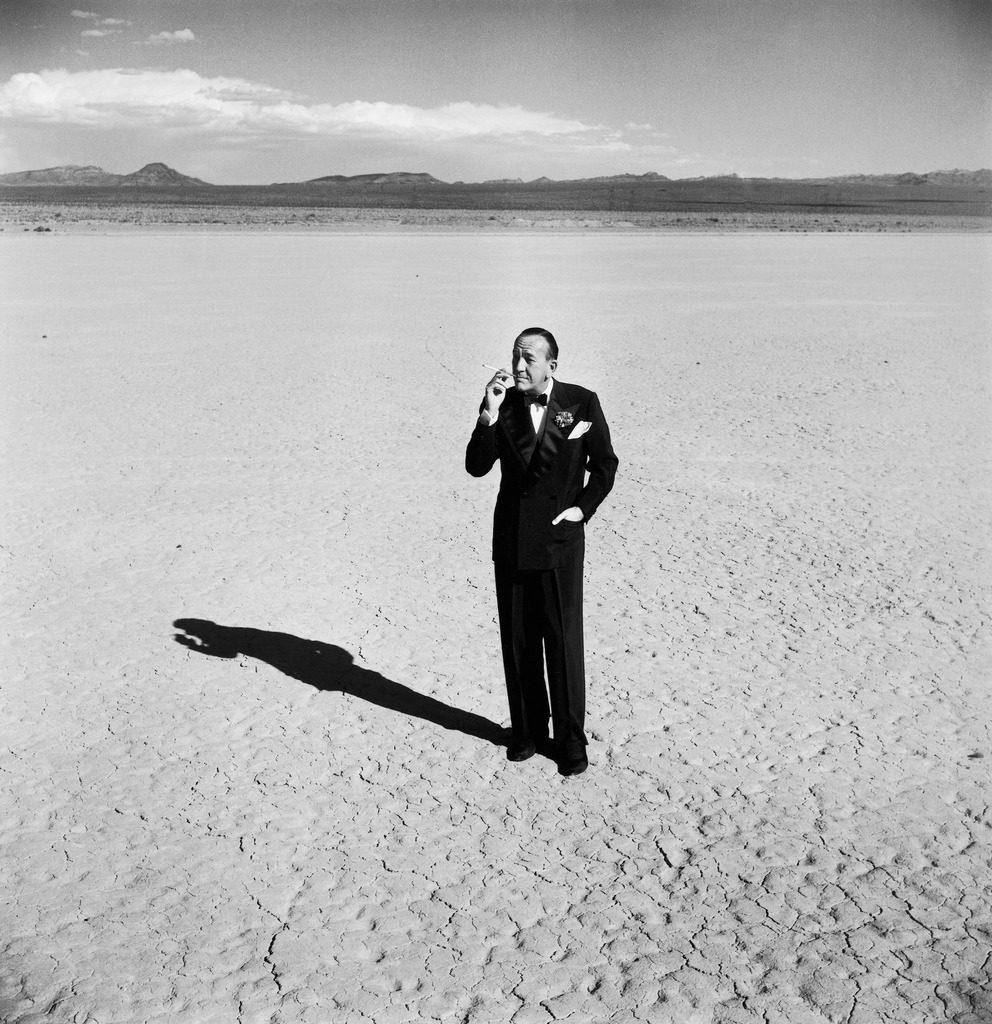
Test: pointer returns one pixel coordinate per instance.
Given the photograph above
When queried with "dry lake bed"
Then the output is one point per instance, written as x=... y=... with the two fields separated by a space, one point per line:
x=251 y=689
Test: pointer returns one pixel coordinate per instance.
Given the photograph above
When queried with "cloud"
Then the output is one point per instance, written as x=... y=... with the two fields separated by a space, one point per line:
x=99 y=33
x=236 y=108
x=182 y=35
x=91 y=16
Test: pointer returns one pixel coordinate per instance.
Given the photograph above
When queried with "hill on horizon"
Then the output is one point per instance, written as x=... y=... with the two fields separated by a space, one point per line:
x=156 y=175
x=386 y=178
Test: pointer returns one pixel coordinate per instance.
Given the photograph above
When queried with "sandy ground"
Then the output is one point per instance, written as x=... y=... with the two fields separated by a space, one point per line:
x=307 y=815
x=20 y=215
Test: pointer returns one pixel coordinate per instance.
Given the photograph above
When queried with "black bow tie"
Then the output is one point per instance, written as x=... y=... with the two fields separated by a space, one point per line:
x=536 y=399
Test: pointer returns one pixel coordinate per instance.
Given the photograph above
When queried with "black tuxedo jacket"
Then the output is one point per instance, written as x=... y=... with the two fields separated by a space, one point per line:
x=542 y=476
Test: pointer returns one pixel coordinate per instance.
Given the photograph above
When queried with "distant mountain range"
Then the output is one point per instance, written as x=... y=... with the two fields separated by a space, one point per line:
x=952 y=177
x=158 y=175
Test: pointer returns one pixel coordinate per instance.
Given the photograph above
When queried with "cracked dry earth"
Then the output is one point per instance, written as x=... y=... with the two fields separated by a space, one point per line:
x=302 y=811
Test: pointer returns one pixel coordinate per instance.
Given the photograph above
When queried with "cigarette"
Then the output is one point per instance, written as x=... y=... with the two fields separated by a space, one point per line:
x=498 y=369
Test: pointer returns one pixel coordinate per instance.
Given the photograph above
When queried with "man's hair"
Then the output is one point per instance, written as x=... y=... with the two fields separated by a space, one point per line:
x=542 y=333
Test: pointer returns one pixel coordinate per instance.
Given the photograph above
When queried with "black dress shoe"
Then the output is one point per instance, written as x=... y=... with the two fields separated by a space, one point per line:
x=573 y=764
x=520 y=750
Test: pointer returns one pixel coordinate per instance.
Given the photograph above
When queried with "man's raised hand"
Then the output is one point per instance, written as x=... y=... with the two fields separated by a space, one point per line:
x=496 y=392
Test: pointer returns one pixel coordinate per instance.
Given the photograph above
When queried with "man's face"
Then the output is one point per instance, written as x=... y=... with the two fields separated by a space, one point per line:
x=531 y=365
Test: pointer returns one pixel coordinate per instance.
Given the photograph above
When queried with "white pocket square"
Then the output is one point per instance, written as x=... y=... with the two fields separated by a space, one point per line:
x=579 y=429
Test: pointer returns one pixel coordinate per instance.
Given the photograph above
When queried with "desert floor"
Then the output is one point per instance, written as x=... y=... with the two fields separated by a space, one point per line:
x=303 y=813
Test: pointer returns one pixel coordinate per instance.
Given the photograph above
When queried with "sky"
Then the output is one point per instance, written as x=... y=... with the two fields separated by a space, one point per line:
x=260 y=91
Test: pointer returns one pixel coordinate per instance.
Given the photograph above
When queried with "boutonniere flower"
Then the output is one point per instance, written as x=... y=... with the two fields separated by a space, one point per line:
x=564 y=419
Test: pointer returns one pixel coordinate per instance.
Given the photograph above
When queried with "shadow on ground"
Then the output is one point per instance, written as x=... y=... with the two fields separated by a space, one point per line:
x=332 y=668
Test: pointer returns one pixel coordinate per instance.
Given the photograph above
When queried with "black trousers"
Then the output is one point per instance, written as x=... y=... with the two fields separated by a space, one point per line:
x=540 y=623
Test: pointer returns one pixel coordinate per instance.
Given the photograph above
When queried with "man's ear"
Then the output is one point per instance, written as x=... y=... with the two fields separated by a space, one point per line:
x=553 y=364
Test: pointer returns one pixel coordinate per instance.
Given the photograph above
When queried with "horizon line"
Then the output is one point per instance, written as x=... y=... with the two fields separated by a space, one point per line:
x=508 y=180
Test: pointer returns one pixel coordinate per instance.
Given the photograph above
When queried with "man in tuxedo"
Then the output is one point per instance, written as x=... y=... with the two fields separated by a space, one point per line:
x=547 y=436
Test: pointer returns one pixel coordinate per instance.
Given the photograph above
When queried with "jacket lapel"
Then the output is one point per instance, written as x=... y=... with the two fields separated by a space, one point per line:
x=520 y=429
x=553 y=434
